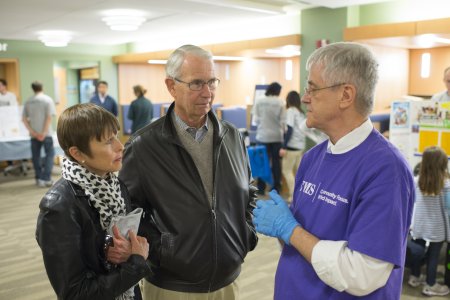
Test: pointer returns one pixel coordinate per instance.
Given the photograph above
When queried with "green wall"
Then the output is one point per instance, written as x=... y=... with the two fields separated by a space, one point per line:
x=399 y=11
x=36 y=62
x=318 y=24
x=384 y=12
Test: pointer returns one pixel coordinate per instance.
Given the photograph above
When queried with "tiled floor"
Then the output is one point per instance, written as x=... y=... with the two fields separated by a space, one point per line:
x=23 y=277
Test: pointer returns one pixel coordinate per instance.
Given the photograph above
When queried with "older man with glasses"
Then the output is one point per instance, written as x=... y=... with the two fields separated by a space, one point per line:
x=345 y=233
x=190 y=173
x=444 y=96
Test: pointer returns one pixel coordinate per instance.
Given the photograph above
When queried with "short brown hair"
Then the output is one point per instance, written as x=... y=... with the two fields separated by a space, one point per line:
x=36 y=86
x=81 y=123
x=433 y=171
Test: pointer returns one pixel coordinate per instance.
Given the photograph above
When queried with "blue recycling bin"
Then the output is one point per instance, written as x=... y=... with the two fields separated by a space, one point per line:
x=259 y=163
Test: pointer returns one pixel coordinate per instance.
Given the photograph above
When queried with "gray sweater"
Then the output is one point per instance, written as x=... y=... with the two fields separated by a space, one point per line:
x=201 y=152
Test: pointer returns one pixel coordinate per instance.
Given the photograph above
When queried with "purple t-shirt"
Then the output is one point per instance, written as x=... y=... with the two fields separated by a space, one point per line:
x=364 y=196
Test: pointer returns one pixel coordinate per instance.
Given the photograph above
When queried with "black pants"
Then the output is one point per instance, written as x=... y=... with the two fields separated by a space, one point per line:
x=273 y=151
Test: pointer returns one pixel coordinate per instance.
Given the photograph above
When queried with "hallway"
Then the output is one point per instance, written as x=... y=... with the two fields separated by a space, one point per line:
x=23 y=277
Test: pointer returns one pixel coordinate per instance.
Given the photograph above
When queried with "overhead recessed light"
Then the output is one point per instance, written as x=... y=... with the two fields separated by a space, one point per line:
x=425 y=40
x=286 y=51
x=219 y=58
x=229 y=58
x=157 y=61
x=55 y=38
x=124 y=19
x=442 y=40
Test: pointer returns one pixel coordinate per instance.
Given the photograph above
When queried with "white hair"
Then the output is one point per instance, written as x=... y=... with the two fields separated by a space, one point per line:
x=351 y=63
x=176 y=59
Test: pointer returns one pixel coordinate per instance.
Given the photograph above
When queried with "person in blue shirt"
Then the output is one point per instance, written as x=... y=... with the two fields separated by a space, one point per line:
x=141 y=109
x=101 y=98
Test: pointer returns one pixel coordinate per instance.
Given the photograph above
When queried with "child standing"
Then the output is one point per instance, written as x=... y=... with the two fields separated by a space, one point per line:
x=430 y=219
x=447 y=254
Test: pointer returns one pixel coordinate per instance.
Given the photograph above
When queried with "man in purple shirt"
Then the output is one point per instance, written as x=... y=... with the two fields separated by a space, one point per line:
x=345 y=233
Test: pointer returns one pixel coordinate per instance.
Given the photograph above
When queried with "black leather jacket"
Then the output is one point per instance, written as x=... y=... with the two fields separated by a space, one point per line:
x=72 y=241
x=195 y=246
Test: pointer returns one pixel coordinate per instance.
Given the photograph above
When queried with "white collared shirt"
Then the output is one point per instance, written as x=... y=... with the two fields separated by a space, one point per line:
x=352 y=139
x=197 y=134
x=102 y=98
x=337 y=265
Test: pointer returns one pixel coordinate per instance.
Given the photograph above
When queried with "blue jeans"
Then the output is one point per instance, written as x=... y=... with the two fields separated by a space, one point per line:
x=42 y=167
x=431 y=259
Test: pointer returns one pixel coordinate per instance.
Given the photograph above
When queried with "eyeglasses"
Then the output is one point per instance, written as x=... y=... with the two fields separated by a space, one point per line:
x=309 y=91
x=197 y=85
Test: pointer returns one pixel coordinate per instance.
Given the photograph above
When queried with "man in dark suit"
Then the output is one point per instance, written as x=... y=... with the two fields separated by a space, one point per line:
x=101 y=98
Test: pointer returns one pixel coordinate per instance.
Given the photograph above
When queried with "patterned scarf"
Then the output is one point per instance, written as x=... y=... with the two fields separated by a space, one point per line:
x=104 y=194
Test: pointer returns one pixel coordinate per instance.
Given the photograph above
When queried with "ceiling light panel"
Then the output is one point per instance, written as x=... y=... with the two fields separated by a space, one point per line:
x=124 y=19
x=55 y=38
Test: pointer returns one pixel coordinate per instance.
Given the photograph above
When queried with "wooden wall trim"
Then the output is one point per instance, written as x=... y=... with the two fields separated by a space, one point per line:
x=140 y=57
x=379 y=31
x=433 y=26
x=294 y=39
x=9 y=60
x=217 y=49
x=397 y=29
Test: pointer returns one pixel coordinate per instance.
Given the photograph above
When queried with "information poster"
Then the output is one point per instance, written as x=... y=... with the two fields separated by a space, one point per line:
x=434 y=126
x=11 y=122
x=416 y=125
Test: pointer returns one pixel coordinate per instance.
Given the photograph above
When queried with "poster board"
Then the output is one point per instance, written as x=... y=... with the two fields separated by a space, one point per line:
x=416 y=125
x=11 y=122
x=260 y=91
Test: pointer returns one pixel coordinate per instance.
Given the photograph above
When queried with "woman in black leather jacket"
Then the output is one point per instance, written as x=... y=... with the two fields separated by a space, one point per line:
x=75 y=214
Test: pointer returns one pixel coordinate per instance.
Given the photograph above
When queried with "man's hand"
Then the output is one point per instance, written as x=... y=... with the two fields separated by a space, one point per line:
x=282 y=152
x=274 y=218
x=121 y=250
x=40 y=137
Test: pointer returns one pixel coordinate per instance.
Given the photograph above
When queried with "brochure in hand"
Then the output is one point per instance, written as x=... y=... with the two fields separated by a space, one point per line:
x=125 y=223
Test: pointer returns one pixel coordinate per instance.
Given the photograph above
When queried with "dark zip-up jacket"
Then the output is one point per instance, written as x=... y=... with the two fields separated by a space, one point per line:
x=195 y=246
x=72 y=242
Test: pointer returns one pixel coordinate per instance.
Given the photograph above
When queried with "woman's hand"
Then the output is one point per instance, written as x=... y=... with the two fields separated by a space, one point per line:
x=139 y=245
x=282 y=152
x=121 y=250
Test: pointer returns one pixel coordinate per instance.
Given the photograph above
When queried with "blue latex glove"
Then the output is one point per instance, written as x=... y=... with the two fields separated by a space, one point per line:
x=274 y=218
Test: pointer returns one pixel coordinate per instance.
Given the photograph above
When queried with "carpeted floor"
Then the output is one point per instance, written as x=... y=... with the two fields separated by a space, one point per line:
x=22 y=273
